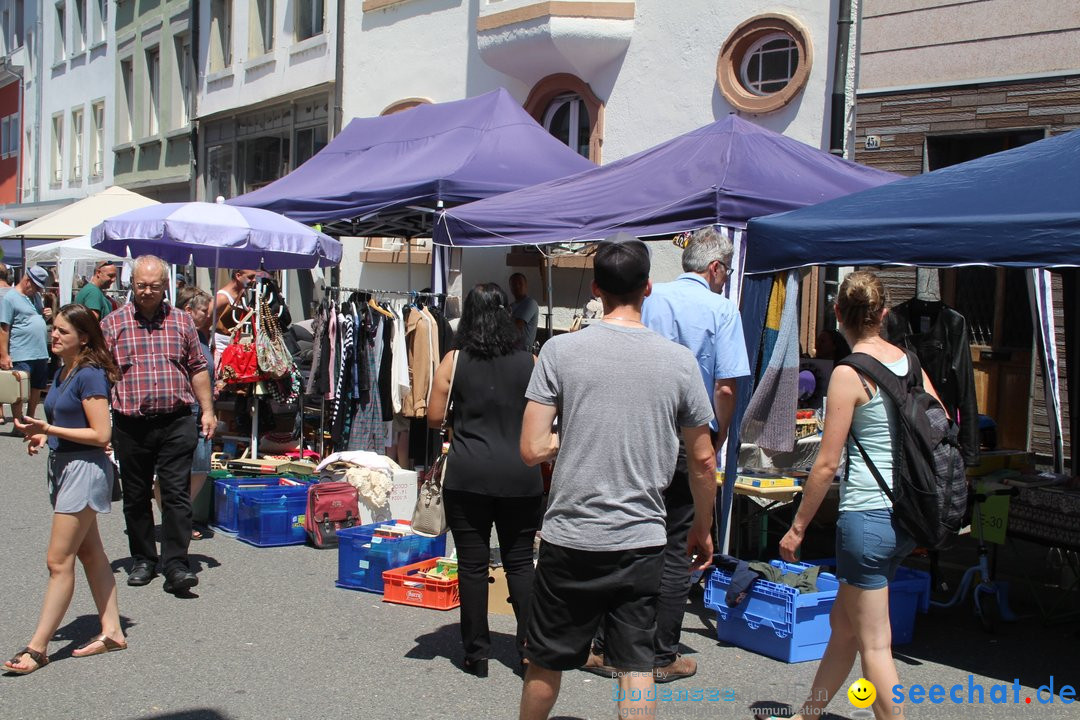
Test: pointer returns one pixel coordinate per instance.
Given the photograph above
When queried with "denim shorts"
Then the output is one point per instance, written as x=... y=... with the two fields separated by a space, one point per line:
x=869 y=548
x=38 y=370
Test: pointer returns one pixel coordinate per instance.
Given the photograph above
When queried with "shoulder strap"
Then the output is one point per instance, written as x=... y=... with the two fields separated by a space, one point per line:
x=450 y=390
x=886 y=379
x=873 y=468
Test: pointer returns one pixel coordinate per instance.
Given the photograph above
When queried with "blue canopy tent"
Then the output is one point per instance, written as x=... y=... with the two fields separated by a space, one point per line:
x=722 y=174
x=1018 y=208
x=387 y=176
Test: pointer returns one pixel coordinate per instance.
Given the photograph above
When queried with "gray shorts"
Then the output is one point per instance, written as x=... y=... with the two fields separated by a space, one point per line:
x=79 y=479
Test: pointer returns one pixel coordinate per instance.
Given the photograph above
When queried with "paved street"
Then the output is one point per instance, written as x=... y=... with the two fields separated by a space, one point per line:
x=269 y=636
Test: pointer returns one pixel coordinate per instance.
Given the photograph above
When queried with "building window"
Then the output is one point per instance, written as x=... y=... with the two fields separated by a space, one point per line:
x=261 y=29
x=219 y=171
x=97 y=140
x=764 y=63
x=60 y=36
x=568 y=109
x=265 y=159
x=79 y=41
x=153 y=90
x=9 y=135
x=182 y=48
x=308 y=142
x=57 y=164
x=567 y=118
x=770 y=64
x=13 y=26
x=125 y=121
x=101 y=22
x=76 y=144
x=220 y=34
x=309 y=19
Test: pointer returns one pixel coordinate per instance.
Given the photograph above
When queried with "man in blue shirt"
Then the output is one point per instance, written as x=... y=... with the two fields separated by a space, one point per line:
x=23 y=335
x=692 y=312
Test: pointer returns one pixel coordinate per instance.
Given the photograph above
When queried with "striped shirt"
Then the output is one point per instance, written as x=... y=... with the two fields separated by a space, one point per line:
x=157 y=359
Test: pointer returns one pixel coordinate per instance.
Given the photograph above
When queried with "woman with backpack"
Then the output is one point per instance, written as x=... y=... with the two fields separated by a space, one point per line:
x=869 y=543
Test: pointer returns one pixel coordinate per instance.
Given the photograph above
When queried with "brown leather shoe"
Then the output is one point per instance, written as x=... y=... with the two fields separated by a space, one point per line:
x=683 y=667
x=595 y=665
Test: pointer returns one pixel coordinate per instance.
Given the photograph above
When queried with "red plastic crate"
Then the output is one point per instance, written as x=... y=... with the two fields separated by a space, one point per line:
x=405 y=586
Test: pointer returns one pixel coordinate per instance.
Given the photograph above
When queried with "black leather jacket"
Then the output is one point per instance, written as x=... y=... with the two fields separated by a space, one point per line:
x=944 y=353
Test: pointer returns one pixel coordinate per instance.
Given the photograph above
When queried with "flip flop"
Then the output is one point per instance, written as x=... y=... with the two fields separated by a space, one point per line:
x=40 y=658
x=106 y=645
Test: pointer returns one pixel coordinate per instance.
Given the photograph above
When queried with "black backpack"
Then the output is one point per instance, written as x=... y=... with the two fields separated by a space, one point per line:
x=929 y=492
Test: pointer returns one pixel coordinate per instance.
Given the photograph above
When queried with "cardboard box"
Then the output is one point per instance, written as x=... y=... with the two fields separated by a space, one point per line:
x=402 y=501
x=498 y=593
x=994 y=460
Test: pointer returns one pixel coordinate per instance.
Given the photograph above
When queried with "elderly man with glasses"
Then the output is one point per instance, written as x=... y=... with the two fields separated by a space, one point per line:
x=92 y=294
x=164 y=371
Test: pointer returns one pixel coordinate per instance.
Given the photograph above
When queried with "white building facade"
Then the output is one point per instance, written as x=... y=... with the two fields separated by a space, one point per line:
x=610 y=78
x=70 y=90
x=265 y=90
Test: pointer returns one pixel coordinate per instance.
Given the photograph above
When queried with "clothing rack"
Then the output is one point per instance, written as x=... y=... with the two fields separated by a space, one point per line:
x=399 y=293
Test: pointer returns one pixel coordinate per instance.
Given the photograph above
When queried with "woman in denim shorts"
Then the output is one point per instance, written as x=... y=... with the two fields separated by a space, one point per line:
x=869 y=544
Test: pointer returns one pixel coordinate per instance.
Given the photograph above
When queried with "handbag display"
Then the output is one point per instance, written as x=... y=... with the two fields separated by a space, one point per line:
x=330 y=507
x=275 y=360
x=429 y=516
x=14 y=386
x=239 y=363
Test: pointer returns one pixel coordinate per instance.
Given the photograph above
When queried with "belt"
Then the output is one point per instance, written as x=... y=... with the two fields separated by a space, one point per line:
x=155 y=418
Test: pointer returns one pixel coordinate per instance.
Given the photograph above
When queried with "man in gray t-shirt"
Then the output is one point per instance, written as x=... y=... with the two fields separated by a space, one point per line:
x=621 y=394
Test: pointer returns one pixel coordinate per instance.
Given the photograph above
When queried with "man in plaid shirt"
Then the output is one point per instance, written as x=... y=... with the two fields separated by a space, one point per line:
x=154 y=433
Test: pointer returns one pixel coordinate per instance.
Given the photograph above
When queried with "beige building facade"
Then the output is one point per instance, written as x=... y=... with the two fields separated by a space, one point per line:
x=941 y=83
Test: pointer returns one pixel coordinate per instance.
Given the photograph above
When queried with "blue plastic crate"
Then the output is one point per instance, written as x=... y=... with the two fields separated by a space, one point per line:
x=363 y=558
x=909 y=591
x=775 y=620
x=227 y=492
x=273 y=516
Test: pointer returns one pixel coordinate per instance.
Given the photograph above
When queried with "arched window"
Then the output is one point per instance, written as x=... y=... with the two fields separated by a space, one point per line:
x=406 y=104
x=567 y=118
x=568 y=109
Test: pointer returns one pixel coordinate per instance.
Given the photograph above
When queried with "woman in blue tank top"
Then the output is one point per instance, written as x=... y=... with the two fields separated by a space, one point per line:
x=869 y=545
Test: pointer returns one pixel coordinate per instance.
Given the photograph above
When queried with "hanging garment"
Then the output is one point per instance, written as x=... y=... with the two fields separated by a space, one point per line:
x=341 y=408
x=368 y=430
x=419 y=345
x=318 y=331
x=939 y=337
x=399 y=384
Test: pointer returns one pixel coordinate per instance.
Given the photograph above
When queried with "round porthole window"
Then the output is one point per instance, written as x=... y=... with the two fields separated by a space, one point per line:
x=764 y=63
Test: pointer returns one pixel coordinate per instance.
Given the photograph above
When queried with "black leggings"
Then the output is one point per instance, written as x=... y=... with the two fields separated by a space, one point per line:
x=516 y=519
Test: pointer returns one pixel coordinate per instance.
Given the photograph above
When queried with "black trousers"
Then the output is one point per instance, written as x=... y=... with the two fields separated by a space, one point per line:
x=675 y=580
x=160 y=445
x=470 y=517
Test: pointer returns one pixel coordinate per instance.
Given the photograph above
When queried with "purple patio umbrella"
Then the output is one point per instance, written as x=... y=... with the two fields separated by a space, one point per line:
x=216 y=235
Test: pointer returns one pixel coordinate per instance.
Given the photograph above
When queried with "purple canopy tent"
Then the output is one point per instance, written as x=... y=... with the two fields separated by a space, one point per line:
x=721 y=174
x=387 y=176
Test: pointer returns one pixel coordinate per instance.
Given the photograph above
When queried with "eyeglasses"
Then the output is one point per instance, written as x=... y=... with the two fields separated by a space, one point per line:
x=152 y=287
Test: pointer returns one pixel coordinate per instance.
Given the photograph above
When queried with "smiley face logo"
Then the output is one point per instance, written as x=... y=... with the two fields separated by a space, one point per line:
x=862 y=693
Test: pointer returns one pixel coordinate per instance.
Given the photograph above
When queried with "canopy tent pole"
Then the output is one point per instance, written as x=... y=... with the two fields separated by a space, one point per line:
x=254 y=394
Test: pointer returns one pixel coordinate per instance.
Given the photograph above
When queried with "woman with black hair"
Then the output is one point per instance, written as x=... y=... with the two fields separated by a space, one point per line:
x=486 y=482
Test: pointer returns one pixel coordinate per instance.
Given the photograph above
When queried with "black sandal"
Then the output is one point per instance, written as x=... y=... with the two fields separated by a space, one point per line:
x=40 y=658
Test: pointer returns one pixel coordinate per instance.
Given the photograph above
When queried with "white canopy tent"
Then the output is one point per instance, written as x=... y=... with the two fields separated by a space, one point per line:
x=66 y=253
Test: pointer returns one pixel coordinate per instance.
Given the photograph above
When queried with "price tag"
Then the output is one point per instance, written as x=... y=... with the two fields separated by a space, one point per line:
x=995 y=516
